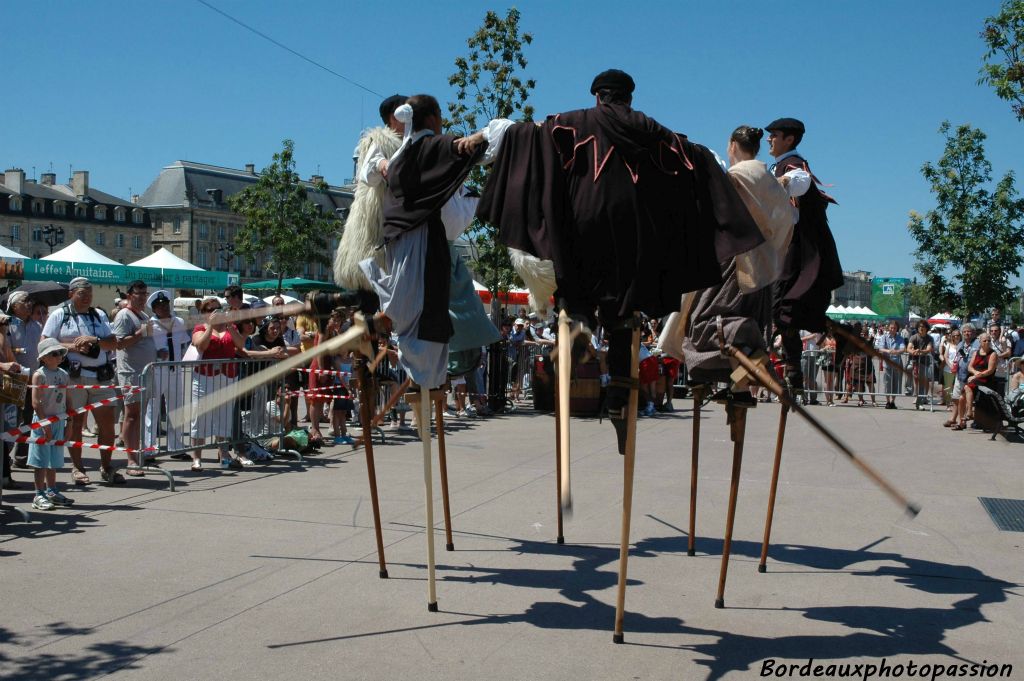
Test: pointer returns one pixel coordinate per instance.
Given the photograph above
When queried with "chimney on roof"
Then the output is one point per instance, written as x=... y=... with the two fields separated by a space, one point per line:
x=250 y=168
x=135 y=199
x=80 y=183
x=315 y=179
x=49 y=179
x=14 y=179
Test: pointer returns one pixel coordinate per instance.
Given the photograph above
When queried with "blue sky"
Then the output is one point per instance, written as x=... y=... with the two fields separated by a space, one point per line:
x=123 y=88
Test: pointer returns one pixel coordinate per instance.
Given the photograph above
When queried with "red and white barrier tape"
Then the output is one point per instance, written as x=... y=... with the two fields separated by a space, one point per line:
x=85 y=387
x=73 y=443
x=325 y=372
x=28 y=428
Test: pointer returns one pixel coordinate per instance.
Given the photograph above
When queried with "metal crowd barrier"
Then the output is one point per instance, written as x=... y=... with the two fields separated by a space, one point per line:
x=864 y=377
x=253 y=418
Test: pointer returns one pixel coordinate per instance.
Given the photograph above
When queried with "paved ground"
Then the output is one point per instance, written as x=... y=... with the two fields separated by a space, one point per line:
x=271 y=572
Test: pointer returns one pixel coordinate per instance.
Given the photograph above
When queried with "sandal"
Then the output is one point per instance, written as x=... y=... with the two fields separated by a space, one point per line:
x=960 y=426
x=949 y=424
x=79 y=476
x=197 y=465
x=112 y=477
x=135 y=472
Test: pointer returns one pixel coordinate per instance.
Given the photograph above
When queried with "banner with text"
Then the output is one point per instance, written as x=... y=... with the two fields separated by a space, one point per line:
x=55 y=270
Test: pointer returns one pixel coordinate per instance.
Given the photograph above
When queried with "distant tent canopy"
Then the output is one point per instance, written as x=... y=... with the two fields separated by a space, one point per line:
x=293 y=284
x=77 y=251
x=841 y=313
x=164 y=259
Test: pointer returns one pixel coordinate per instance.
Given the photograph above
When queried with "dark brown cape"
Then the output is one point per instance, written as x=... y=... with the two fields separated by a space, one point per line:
x=812 y=268
x=420 y=181
x=632 y=214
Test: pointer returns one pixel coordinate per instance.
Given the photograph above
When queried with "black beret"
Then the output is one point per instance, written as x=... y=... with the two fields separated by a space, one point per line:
x=786 y=124
x=613 y=79
x=388 y=106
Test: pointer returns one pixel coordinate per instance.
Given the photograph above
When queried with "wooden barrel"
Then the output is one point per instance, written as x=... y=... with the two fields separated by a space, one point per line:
x=585 y=393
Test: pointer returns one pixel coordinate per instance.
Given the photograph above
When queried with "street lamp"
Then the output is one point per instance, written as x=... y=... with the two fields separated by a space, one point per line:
x=53 y=236
x=226 y=252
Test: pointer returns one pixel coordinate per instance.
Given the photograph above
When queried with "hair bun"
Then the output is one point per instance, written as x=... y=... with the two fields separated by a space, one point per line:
x=757 y=134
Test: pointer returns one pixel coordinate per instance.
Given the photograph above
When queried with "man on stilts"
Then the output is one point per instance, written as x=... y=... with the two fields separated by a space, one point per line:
x=812 y=269
x=631 y=214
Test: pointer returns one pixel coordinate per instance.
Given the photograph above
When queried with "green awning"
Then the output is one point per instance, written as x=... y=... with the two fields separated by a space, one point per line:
x=293 y=284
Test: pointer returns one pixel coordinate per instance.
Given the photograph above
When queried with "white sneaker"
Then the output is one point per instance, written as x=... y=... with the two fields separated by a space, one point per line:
x=41 y=503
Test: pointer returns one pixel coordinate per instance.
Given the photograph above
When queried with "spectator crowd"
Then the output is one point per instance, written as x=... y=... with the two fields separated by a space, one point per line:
x=129 y=365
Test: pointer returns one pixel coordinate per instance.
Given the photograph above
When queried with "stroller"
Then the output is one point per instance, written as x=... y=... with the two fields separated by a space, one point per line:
x=991 y=412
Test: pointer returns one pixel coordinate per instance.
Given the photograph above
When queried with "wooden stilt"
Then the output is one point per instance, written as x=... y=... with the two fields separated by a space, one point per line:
x=563 y=384
x=558 y=464
x=738 y=424
x=698 y=398
x=761 y=566
x=428 y=488
x=365 y=397
x=443 y=464
x=627 y=485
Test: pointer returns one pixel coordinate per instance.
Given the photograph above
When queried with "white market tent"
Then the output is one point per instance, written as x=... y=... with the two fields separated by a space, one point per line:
x=9 y=254
x=77 y=251
x=166 y=260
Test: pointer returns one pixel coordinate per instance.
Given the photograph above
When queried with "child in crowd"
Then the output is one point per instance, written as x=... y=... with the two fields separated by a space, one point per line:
x=46 y=459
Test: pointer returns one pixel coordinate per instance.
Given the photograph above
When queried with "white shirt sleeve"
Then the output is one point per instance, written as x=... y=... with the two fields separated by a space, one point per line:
x=457 y=213
x=369 y=172
x=799 y=182
x=494 y=133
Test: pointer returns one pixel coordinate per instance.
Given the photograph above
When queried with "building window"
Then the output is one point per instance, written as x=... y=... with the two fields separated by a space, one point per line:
x=81 y=211
x=15 y=233
x=119 y=240
x=204 y=230
x=203 y=256
x=15 y=203
x=38 y=206
x=177 y=225
x=137 y=242
x=101 y=239
x=100 y=212
x=60 y=208
x=37 y=234
x=119 y=214
x=222 y=232
x=80 y=234
x=158 y=224
x=137 y=216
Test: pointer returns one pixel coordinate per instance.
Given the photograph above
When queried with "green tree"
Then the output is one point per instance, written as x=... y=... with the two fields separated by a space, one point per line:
x=973 y=236
x=281 y=223
x=1003 y=66
x=488 y=85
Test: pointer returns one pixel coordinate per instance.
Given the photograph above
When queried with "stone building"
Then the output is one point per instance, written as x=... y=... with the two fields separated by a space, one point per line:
x=191 y=217
x=855 y=291
x=32 y=213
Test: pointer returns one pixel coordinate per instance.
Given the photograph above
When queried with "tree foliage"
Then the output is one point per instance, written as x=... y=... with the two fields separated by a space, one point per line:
x=488 y=85
x=973 y=236
x=1003 y=66
x=281 y=223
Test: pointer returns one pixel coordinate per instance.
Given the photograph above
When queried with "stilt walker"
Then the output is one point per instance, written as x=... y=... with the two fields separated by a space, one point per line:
x=627 y=484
